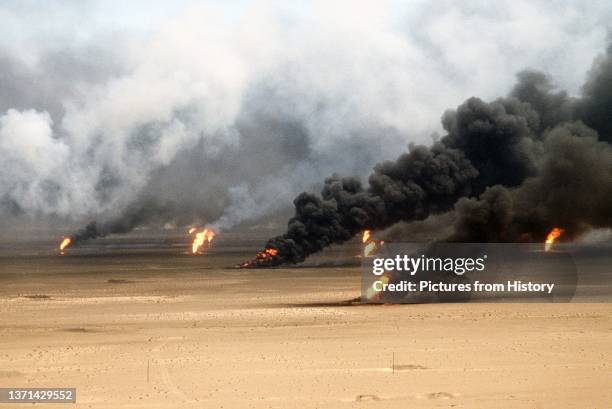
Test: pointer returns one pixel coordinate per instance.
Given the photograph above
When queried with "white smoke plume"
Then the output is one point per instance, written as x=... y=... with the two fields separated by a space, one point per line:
x=220 y=114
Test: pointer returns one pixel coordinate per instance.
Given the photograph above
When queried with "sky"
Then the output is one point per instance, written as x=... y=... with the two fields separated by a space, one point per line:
x=221 y=112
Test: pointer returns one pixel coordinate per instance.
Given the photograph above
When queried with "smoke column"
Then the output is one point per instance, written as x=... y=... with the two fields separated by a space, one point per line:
x=511 y=169
x=573 y=184
x=130 y=219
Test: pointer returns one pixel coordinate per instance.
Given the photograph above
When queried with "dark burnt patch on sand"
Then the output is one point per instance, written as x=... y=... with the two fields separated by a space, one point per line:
x=408 y=367
x=78 y=330
x=36 y=297
x=120 y=281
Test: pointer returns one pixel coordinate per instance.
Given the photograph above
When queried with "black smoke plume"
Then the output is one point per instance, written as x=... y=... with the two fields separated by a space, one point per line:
x=572 y=190
x=511 y=169
x=134 y=216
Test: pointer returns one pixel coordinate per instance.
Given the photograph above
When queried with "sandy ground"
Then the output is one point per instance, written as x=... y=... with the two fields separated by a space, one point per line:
x=174 y=331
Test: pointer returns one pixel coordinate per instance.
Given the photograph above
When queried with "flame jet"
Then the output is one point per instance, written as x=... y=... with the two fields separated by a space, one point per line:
x=370 y=245
x=66 y=242
x=202 y=238
x=552 y=237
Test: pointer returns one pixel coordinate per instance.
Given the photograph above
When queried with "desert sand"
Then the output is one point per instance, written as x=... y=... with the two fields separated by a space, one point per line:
x=164 y=329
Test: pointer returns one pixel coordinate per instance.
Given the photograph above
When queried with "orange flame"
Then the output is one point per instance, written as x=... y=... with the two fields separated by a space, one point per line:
x=371 y=245
x=201 y=239
x=262 y=257
x=266 y=254
x=65 y=244
x=192 y=230
x=554 y=234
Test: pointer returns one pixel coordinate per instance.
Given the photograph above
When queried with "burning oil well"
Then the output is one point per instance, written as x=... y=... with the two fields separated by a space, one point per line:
x=201 y=239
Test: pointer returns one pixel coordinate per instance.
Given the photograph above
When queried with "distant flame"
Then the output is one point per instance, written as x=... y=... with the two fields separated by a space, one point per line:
x=202 y=239
x=192 y=230
x=65 y=244
x=370 y=245
x=552 y=237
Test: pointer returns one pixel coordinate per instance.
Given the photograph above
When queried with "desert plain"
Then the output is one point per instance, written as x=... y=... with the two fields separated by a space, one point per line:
x=152 y=326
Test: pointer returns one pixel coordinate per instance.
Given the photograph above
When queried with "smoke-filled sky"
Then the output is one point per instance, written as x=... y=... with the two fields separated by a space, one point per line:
x=188 y=111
